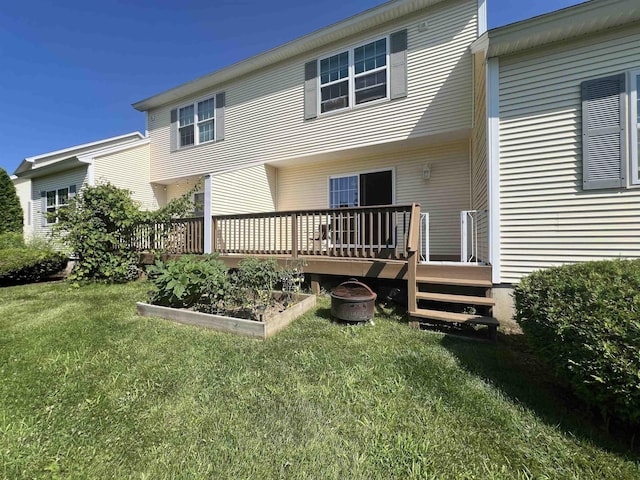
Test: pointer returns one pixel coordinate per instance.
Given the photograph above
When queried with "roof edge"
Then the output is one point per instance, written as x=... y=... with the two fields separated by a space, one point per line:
x=353 y=25
x=559 y=25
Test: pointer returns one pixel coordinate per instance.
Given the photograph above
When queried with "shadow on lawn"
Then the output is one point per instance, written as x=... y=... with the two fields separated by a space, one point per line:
x=512 y=367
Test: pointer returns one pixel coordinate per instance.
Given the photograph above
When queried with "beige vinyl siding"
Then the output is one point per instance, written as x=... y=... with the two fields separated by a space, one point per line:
x=444 y=195
x=77 y=176
x=249 y=190
x=179 y=188
x=264 y=112
x=129 y=169
x=546 y=217
x=479 y=154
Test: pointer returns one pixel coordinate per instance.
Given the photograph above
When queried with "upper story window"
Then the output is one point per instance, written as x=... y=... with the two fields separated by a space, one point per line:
x=354 y=77
x=373 y=71
x=196 y=122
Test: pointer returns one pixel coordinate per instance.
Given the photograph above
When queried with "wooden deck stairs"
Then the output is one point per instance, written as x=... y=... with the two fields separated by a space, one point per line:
x=450 y=294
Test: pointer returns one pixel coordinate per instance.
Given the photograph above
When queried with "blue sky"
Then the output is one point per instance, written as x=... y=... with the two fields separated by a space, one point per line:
x=70 y=69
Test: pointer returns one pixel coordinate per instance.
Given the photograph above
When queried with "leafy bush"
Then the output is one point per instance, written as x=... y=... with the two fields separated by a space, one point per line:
x=98 y=226
x=585 y=320
x=11 y=240
x=28 y=264
x=183 y=283
x=254 y=282
x=204 y=284
x=11 y=218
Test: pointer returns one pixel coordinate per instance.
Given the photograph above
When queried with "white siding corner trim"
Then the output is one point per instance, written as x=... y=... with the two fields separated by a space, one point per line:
x=482 y=16
x=493 y=164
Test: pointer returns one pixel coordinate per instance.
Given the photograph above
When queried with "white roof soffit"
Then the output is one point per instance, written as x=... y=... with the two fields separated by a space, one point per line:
x=371 y=18
x=571 y=22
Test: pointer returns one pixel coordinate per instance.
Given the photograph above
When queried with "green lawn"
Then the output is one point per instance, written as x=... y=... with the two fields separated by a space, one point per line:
x=89 y=390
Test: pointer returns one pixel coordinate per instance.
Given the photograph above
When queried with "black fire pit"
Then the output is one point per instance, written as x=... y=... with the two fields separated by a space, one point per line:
x=352 y=301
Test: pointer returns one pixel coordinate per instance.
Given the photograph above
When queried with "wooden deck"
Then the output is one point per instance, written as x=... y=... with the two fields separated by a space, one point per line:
x=366 y=242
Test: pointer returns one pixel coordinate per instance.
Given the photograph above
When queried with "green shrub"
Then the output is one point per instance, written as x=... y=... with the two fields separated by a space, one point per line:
x=183 y=283
x=254 y=281
x=584 y=319
x=22 y=265
x=11 y=240
x=11 y=218
x=98 y=227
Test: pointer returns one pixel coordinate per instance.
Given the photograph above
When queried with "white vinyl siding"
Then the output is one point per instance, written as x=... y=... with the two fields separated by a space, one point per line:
x=444 y=195
x=130 y=169
x=264 y=114
x=546 y=216
x=76 y=176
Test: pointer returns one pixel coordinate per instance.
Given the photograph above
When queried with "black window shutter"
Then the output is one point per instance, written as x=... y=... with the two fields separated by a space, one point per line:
x=220 y=107
x=311 y=89
x=72 y=191
x=398 y=64
x=173 y=131
x=604 y=148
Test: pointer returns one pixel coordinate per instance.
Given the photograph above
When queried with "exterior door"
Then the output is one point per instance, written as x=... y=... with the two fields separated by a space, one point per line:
x=376 y=188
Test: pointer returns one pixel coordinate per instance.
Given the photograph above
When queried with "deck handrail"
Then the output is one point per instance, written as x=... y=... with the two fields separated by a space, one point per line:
x=309 y=211
x=379 y=231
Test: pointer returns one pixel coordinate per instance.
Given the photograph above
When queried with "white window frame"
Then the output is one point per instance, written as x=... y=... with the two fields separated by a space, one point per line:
x=634 y=124
x=363 y=172
x=197 y=122
x=352 y=76
x=57 y=204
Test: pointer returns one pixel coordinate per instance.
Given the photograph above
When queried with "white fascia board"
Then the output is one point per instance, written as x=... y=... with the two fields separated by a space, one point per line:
x=85 y=145
x=481 y=44
x=571 y=22
x=493 y=163
x=110 y=150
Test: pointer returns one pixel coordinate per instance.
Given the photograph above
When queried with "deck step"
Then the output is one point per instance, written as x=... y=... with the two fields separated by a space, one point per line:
x=454 y=317
x=451 y=298
x=465 y=282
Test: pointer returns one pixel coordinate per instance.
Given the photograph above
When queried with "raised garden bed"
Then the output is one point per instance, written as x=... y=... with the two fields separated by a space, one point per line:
x=250 y=328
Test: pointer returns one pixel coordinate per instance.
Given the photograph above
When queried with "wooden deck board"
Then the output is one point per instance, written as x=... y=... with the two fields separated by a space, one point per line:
x=454 y=317
x=453 y=298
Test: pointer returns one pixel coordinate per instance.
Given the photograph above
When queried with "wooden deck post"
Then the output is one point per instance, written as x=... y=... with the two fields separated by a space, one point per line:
x=413 y=242
x=315 y=284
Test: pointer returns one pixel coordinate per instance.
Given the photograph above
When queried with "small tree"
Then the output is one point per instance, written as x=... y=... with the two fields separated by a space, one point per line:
x=11 y=218
x=98 y=226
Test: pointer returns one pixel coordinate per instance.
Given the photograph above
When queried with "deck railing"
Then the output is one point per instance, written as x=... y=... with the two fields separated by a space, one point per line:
x=185 y=235
x=360 y=232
